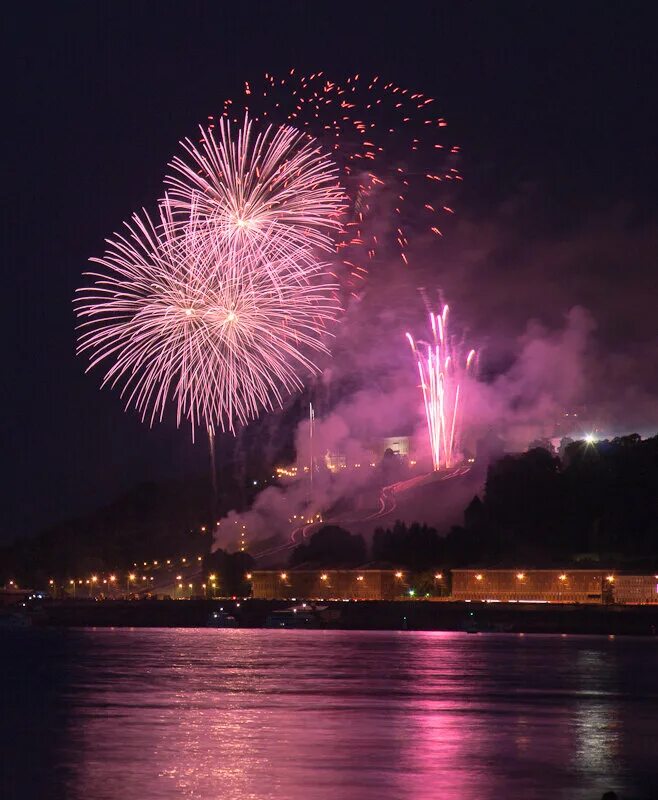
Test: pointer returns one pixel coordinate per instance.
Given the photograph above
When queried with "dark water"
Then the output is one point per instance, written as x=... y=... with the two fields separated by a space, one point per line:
x=313 y=715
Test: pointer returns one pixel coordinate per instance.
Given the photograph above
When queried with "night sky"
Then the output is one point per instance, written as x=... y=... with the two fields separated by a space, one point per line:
x=554 y=106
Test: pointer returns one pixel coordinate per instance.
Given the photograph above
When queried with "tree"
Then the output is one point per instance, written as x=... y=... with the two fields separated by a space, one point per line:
x=331 y=546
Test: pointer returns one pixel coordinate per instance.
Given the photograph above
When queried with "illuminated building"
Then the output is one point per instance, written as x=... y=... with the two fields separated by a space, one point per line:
x=635 y=589
x=328 y=584
x=553 y=586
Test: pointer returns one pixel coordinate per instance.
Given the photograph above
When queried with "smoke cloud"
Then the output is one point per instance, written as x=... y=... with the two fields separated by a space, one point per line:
x=565 y=330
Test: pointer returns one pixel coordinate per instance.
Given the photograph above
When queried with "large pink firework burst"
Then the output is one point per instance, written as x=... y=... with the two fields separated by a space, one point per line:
x=219 y=332
x=258 y=188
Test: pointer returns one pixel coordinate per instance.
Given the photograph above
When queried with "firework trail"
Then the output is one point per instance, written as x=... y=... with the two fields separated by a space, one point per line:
x=383 y=137
x=256 y=190
x=442 y=374
x=220 y=332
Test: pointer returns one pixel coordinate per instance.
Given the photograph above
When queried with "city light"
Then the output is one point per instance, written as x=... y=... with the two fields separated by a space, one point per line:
x=520 y=575
x=284 y=576
x=248 y=576
x=610 y=578
x=398 y=575
x=563 y=577
x=324 y=577
x=478 y=577
x=438 y=576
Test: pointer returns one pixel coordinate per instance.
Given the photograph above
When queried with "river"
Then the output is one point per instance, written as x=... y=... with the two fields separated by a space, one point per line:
x=154 y=714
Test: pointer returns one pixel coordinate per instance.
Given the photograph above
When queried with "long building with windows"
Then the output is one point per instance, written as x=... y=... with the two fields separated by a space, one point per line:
x=328 y=584
x=539 y=585
x=553 y=586
x=593 y=586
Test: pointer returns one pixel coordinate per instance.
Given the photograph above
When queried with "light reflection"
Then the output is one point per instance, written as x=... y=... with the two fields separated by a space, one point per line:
x=317 y=715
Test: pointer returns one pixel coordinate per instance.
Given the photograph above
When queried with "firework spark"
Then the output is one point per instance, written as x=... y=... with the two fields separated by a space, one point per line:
x=220 y=332
x=442 y=374
x=383 y=136
x=257 y=189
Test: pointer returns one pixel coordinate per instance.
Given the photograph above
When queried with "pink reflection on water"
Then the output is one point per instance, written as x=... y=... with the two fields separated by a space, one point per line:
x=313 y=715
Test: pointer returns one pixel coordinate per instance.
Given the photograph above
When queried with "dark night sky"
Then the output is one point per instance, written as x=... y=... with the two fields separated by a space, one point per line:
x=558 y=97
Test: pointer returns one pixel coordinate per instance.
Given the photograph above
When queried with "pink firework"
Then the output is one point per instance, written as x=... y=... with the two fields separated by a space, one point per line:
x=391 y=145
x=255 y=189
x=221 y=333
x=442 y=372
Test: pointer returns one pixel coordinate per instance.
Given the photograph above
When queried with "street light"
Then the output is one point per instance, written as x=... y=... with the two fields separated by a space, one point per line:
x=131 y=578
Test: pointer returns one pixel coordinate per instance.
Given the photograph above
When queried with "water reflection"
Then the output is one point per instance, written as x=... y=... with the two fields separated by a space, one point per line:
x=313 y=715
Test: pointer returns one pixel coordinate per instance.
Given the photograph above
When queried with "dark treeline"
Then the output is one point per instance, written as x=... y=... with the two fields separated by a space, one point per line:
x=595 y=502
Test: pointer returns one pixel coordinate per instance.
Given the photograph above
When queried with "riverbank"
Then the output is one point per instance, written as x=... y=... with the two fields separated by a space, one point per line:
x=360 y=615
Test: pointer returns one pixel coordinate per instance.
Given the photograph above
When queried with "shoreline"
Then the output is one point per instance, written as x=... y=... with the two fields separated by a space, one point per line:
x=419 y=615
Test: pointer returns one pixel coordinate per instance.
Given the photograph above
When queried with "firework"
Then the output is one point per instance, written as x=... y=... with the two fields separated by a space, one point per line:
x=389 y=143
x=256 y=189
x=219 y=332
x=442 y=372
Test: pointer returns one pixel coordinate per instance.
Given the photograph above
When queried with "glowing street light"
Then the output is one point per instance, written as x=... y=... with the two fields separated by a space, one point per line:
x=478 y=577
x=398 y=575
x=520 y=576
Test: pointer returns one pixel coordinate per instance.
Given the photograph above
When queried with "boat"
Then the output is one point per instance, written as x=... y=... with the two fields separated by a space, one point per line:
x=221 y=619
x=300 y=616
